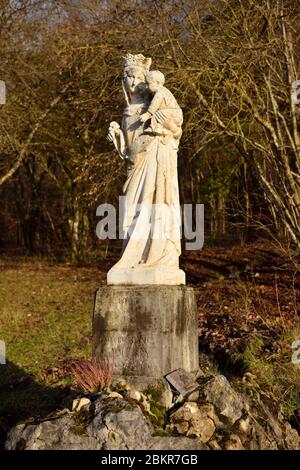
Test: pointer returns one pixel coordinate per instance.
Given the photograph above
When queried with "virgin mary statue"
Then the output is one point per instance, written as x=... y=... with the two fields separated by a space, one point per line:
x=151 y=214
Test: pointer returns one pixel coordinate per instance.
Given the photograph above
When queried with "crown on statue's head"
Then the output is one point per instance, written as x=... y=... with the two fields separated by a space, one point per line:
x=137 y=60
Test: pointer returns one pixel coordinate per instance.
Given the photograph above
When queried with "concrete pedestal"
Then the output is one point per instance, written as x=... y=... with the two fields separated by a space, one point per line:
x=146 y=331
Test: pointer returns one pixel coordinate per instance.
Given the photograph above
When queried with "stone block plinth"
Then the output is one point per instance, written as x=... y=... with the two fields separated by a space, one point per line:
x=140 y=275
x=146 y=331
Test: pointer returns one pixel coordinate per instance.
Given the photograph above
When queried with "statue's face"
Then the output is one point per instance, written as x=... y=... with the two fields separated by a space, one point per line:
x=134 y=80
x=153 y=86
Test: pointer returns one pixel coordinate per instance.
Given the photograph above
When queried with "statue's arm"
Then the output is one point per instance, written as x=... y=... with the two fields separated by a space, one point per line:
x=156 y=102
x=116 y=136
x=169 y=124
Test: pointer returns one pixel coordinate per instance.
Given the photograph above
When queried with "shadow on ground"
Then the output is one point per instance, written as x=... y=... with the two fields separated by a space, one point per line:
x=22 y=398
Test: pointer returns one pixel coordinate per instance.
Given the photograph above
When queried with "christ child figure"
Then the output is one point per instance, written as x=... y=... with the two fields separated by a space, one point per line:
x=163 y=105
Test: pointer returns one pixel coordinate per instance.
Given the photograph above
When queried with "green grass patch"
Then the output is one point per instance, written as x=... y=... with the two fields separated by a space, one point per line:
x=45 y=315
x=275 y=373
x=45 y=320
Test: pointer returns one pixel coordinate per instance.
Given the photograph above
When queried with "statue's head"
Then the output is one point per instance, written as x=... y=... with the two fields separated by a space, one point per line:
x=155 y=79
x=135 y=69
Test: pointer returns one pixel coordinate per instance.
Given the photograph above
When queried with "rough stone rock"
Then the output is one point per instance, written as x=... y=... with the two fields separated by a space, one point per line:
x=194 y=396
x=146 y=407
x=121 y=383
x=111 y=423
x=292 y=438
x=49 y=435
x=243 y=425
x=265 y=443
x=79 y=403
x=276 y=432
x=134 y=394
x=213 y=445
x=179 y=399
x=166 y=398
x=233 y=443
x=209 y=410
x=253 y=444
x=120 y=425
x=227 y=401
x=227 y=420
x=114 y=395
x=177 y=443
x=194 y=421
x=260 y=439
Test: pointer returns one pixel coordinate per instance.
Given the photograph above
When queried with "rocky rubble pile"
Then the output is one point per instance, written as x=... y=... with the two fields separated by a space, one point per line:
x=215 y=417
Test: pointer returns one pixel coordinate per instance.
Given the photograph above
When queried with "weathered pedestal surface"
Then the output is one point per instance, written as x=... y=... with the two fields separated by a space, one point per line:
x=146 y=331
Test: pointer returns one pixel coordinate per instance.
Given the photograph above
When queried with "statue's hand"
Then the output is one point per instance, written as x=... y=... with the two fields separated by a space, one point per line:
x=161 y=119
x=110 y=137
x=169 y=124
x=116 y=136
x=113 y=131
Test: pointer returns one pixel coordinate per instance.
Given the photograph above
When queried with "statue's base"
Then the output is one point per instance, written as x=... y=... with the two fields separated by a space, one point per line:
x=146 y=331
x=145 y=276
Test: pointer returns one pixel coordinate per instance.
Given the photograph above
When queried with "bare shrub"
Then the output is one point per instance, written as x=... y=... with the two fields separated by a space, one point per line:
x=92 y=375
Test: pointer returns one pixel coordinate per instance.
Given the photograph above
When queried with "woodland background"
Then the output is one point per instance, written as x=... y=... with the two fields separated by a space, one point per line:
x=231 y=65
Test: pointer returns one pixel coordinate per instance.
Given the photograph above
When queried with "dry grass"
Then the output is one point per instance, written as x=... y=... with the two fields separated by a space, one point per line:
x=92 y=375
x=45 y=314
x=249 y=323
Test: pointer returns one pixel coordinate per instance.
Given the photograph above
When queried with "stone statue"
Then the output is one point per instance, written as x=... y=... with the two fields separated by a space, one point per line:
x=148 y=329
x=148 y=140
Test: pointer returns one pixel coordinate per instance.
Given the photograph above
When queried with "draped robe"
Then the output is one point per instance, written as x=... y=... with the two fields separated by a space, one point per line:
x=151 y=210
